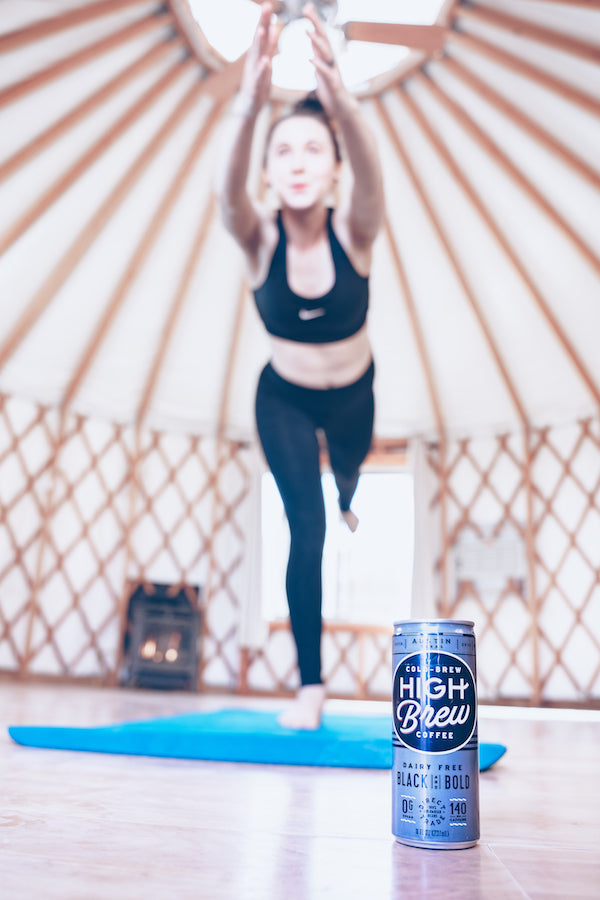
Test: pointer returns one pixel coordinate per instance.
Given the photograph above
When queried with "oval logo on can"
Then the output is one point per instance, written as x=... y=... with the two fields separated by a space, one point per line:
x=434 y=702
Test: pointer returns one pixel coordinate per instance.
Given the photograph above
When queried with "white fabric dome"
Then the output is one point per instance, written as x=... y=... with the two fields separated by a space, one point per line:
x=121 y=294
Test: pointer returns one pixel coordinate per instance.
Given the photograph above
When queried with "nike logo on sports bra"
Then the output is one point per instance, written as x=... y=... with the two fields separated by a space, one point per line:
x=306 y=314
x=287 y=315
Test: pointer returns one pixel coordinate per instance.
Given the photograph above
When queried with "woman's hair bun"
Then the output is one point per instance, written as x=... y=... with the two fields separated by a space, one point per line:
x=311 y=105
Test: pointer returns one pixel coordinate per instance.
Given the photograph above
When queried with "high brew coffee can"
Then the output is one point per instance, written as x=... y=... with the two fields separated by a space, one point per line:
x=435 y=770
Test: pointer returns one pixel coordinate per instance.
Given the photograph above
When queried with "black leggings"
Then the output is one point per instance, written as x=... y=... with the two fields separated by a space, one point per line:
x=288 y=417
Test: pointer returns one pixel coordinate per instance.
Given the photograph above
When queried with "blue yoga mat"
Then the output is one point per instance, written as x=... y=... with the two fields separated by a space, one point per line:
x=238 y=735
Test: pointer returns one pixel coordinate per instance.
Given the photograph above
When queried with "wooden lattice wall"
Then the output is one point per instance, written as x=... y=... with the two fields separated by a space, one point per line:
x=89 y=508
x=539 y=634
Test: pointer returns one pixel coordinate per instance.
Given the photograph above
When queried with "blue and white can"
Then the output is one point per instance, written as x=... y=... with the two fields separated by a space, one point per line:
x=435 y=768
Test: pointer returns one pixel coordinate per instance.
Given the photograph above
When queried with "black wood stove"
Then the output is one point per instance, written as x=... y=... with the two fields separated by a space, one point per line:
x=161 y=644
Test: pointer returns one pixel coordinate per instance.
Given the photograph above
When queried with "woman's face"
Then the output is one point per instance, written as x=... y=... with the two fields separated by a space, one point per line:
x=300 y=164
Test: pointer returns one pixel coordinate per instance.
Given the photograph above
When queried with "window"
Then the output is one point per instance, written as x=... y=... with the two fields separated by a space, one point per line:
x=367 y=575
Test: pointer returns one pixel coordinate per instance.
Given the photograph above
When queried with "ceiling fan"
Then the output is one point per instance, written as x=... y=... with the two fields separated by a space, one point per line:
x=429 y=38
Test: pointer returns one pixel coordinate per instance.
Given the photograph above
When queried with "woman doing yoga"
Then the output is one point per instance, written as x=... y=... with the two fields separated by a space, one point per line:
x=308 y=266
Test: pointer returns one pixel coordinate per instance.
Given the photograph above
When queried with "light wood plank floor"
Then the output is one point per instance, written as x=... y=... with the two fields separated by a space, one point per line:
x=80 y=826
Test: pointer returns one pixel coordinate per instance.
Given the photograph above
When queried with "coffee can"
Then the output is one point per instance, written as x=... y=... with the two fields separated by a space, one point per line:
x=435 y=767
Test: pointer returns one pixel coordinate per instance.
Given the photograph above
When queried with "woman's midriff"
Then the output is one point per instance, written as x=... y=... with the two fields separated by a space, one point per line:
x=322 y=366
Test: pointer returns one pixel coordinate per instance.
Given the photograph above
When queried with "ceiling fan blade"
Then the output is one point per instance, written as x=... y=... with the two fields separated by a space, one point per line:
x=420 y=37
x=277 y=5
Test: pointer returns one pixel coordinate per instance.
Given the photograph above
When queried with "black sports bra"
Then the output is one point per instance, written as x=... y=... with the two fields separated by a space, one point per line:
x=338 y=314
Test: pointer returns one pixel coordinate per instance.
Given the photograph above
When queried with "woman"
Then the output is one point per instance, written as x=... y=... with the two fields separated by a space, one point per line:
x=308 y=266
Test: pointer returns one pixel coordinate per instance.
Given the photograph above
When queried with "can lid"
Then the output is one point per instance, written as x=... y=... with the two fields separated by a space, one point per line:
x=425 y=622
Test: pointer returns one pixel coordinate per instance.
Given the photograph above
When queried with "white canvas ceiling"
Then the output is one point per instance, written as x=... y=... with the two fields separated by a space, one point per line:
x=122 y=296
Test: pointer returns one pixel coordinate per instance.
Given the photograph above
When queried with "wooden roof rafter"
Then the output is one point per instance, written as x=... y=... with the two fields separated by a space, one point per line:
x=198 y=44
x=521 y=27
x=217 y=85
x=79 y=15
x=91 y=155
x=91 y=52
x=521 y=119
x=504 y=161
x=223 y=84
x=418 y=334
x=236 y=334
x=89 y=232
x=520 y=66
x=462 y=179
x=87 y=106
x=136 y=262
x=458 y=269
x=182 y=291
x=584 y=4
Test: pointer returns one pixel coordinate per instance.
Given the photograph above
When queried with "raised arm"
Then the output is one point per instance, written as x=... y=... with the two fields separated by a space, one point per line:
x=366 y=208
x=238 y=212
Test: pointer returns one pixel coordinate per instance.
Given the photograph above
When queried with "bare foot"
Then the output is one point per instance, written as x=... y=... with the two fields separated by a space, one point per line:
x=304 y=713
x=350 y=519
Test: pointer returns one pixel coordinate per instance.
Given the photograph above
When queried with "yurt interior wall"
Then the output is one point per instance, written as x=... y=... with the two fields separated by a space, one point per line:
x=129 y=346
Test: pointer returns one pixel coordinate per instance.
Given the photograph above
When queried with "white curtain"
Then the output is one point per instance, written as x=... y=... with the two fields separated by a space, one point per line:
x=423 y=582
x=253 y=628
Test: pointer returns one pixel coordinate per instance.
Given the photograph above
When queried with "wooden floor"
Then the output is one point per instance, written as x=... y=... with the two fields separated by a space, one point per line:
x=87 y=826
